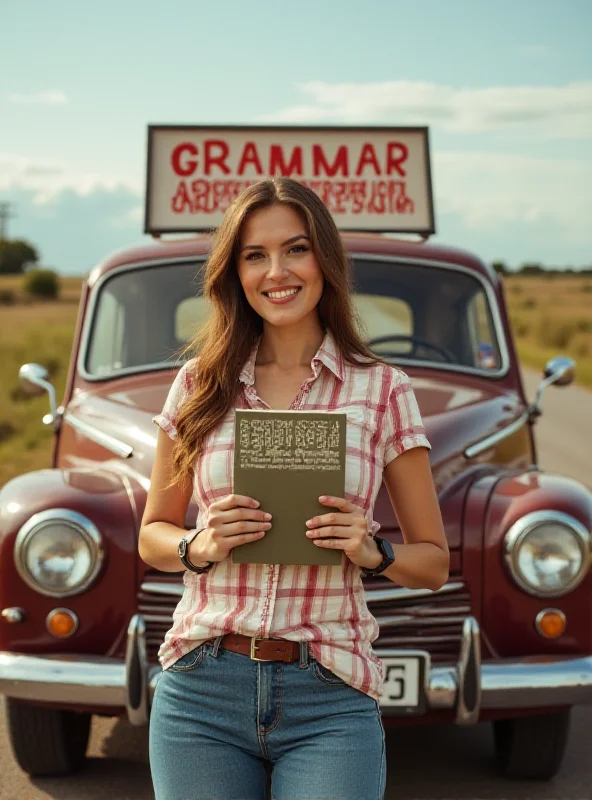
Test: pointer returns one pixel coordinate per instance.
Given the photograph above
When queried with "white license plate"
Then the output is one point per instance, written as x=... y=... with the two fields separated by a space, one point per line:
x=403 y=689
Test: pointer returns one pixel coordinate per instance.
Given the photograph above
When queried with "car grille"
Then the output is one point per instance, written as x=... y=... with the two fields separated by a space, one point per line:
x=408 y=618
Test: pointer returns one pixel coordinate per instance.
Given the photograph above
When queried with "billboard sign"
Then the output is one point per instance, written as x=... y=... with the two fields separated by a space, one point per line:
x=370 y=178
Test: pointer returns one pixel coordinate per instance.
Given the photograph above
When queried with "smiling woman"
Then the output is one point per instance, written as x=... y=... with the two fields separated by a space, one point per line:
x=282 y=335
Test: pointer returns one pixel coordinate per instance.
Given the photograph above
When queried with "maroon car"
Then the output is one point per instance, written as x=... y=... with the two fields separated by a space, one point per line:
x=508 y=638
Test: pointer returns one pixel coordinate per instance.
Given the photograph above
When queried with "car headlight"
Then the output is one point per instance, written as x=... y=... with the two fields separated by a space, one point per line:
x=58 y=552
x=547 y=553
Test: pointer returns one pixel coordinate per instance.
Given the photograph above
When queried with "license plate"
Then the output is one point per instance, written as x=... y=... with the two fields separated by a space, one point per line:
x=404 y=682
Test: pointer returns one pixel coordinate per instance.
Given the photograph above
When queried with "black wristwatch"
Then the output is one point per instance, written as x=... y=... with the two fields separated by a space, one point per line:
x=388 y=558
x=182 y=551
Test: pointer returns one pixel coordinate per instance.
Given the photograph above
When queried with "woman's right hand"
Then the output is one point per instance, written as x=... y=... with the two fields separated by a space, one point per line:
x=232 y=520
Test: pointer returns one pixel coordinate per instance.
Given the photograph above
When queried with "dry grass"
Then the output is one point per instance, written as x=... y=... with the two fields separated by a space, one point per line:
x=552 y=316
x=40 y=332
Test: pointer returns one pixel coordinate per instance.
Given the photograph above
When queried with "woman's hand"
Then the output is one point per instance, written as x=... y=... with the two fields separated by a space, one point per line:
x=345 y=529
x=232 y=520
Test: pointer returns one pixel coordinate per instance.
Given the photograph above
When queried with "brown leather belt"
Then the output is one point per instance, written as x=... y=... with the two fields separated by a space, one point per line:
x=262 y=649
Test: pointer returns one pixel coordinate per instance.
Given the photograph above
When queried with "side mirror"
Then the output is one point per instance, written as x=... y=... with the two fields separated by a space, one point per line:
x=33 y=381
x=560 y=371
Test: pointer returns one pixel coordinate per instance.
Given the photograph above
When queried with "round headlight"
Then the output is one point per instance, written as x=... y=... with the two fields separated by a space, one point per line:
x=58 y=552
x=547 y=553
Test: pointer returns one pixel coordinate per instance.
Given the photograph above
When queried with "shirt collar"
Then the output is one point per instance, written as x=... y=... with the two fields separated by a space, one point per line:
x=327 y=354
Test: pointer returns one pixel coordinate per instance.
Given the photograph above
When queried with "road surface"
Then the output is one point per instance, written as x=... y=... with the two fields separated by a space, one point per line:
x=564 y=432
x=424 y=763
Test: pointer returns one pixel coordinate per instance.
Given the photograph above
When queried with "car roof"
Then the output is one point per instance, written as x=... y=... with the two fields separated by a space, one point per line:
x=355 y=243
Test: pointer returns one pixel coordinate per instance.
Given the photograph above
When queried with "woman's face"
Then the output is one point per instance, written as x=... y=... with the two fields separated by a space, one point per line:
x=279 y=273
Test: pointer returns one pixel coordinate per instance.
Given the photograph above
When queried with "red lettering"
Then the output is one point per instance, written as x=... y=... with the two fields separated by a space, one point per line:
x=188 y=166
x=215 y=155
x=358 y=195
x=320 y=163
x=396 y=154
x=250 y=156
x=181 y=201
x=277 y=162
x=368 y=156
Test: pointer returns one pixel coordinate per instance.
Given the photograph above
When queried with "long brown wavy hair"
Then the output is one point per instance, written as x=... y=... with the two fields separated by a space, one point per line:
x=223 y=344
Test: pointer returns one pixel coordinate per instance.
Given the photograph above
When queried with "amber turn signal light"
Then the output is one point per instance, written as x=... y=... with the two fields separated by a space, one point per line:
x=61 y=622
x=550 y=623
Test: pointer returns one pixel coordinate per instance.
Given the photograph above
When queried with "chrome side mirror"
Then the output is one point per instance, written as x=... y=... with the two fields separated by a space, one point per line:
x=560 y=371
x=33 y=381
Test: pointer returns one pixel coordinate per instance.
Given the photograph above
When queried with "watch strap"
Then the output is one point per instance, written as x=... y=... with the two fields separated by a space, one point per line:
x=184 y=547
x=387 y=560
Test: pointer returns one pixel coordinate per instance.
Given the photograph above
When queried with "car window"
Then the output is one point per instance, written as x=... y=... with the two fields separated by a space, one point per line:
x=430 y=314
x=410 y=313
x=190 y=314
x=385 y=316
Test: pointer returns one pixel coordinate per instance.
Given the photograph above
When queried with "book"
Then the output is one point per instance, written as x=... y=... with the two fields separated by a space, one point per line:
x=286 y=460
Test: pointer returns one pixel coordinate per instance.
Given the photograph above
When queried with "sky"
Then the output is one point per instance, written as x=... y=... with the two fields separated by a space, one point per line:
x=505 y=87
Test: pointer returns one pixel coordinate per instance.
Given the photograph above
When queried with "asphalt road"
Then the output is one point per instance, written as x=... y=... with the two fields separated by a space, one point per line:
x=563 y=433
x=425 y=763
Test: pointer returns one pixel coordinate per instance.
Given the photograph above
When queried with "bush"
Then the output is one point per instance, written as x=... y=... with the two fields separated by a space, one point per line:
x=7 y=297
x=581 y=345
x=42 y=283
x=530 y=303
x=521 y=330
x=555 y=333
x=583 y=325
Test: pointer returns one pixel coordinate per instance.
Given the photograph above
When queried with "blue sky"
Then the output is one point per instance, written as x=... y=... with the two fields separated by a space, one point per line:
x=505 y=86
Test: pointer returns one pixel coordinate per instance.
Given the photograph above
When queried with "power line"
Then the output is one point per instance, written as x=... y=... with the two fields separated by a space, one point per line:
x=5 y=215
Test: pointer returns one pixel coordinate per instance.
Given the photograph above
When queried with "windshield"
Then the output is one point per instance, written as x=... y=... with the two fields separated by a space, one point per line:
x=411 y=314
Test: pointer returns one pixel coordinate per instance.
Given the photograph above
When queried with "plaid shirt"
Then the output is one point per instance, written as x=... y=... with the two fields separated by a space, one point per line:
x=322 y=605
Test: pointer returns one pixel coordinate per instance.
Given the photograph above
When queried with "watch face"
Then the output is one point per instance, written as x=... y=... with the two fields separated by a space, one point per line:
x=387 y=549
x=182 y=549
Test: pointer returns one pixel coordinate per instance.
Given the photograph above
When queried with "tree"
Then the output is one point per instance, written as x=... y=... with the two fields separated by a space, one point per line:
x=531 y=268
x=500 y=267
x=15 y=255
x=42 y=283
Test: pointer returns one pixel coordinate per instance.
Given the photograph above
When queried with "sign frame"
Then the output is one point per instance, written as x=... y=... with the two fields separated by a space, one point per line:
x=422 y=130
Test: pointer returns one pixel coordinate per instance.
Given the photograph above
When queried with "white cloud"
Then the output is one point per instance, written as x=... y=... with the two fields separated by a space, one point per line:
x=548 y=111
x=46 y=178
x=52 y=97
x=492 y=190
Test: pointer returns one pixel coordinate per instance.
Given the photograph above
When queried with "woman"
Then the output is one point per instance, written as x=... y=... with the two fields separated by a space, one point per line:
x=282 y=336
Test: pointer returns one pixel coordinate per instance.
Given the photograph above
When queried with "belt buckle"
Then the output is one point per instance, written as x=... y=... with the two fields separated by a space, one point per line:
x=253 y=648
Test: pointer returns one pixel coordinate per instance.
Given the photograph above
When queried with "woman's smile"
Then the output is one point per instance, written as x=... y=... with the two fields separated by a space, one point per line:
x=282 y=295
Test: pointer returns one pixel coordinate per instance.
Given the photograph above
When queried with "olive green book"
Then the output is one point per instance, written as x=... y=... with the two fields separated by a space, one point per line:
x=286 y=460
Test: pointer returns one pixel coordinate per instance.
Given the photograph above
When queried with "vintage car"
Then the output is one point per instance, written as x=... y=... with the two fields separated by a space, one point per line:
x=507 y=639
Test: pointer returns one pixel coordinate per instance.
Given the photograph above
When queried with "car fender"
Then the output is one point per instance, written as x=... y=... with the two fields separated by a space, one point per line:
x=105 y=607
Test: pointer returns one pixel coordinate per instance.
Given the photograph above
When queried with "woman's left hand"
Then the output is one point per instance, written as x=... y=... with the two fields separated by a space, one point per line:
x=345 y=529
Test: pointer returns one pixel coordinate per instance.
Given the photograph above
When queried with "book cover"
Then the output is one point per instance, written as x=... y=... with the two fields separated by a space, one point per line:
x=286 y=460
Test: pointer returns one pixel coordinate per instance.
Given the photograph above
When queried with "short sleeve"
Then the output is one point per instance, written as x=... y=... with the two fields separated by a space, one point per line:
x=403 y=426
x=180 y=388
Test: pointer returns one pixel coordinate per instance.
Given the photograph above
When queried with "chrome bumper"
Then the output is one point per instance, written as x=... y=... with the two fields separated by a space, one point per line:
x=466 y=687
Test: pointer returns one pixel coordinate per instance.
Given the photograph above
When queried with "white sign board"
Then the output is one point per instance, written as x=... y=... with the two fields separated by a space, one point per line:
x=371 y=179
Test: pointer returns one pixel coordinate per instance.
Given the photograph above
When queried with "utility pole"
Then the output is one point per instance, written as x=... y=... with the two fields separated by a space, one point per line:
x=5 y=215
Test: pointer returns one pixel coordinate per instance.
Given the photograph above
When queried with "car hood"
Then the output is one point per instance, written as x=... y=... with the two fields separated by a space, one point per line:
x=457 y=412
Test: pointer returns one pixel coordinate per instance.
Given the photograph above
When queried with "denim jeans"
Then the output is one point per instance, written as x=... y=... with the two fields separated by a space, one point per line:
x=221 y=721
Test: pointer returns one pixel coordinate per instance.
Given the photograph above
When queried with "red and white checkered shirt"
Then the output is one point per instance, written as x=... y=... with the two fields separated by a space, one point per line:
x=323 y=605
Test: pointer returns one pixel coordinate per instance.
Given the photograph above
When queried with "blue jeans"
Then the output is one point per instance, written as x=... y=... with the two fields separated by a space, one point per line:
x=220 y=721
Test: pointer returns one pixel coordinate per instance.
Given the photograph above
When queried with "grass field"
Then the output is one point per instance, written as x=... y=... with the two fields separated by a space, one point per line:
x=32 y=331
x=550 y=316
